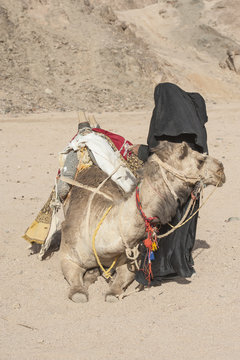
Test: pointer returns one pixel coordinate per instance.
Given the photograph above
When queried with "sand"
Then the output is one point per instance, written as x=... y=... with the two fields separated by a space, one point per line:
x=58 y=57
x=185 y=319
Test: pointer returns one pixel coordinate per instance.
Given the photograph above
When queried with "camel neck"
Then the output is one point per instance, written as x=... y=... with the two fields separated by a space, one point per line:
x=157 y=200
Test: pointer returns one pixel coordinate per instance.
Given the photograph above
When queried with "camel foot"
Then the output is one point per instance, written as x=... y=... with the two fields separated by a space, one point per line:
x=110 y=298
x=79 y=297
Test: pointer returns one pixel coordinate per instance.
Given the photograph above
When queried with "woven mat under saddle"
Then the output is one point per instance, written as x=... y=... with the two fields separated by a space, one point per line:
x=133 y=163
x=39 y=229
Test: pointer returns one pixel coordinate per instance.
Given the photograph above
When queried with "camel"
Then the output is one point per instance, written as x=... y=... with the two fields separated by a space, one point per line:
x=160 y=193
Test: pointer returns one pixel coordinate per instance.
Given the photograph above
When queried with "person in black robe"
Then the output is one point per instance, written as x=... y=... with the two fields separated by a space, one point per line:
x=177 y=116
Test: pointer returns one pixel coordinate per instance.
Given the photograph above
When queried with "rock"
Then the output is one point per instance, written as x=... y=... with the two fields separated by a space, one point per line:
x=17 y=306
x=40 y=341
x=48 y=91
x=108 y=14
x=233 y=218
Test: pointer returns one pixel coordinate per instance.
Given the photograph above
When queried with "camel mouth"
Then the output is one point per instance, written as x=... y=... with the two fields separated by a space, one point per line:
x=218 y=180
x=221 y=179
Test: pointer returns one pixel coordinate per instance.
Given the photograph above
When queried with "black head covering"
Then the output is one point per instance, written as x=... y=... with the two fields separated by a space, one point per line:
x=177 y=113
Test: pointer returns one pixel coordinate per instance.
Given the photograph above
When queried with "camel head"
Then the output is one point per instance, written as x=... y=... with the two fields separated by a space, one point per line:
x=191 y=163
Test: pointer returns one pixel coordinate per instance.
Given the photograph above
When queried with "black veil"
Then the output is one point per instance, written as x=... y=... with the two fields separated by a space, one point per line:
x=178 y=113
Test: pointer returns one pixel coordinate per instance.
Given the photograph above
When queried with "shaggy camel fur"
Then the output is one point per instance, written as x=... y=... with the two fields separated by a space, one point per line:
x=124 y=224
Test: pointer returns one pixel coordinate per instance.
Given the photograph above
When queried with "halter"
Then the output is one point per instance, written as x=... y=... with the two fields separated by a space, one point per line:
x=178 y=173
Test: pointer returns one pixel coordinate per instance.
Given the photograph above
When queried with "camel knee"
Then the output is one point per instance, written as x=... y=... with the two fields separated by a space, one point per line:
x=90 y=277
x=78 y=294
x=73 y=273
x=123 y=279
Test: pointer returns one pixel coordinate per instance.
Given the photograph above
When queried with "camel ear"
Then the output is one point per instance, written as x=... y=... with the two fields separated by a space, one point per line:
x=183 y=150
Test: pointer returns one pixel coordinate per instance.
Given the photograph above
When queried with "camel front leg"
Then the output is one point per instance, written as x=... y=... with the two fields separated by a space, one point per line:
x=73 y=273
x=90 y=277
x=123 y=279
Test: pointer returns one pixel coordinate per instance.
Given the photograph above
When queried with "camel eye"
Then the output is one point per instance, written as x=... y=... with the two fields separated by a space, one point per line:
x=200 y=163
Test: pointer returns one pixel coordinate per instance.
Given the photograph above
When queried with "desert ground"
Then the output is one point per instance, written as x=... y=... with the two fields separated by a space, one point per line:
x=188 y=319
x=105 y=57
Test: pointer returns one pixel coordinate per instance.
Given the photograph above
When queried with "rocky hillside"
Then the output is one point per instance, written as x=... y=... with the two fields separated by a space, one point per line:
x=108 y=55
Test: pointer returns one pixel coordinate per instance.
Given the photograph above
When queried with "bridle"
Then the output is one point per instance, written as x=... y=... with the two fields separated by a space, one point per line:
x=177 y=173
x=193 y=180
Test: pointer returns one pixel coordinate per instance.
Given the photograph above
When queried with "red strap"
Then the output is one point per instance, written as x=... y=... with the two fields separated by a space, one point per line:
x=117 y=140
x=151 y=241
x=147 y=220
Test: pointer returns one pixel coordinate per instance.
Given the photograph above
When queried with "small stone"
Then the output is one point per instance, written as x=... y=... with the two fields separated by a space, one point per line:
x=40 y=341
x=232 y=218
x=48 y=91
x=17 y=306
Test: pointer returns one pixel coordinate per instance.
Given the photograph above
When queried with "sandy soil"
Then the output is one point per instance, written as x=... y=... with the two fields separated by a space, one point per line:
x=102 y=55
x=195 y=318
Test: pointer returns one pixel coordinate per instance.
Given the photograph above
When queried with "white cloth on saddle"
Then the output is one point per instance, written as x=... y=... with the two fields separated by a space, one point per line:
x=107 y=159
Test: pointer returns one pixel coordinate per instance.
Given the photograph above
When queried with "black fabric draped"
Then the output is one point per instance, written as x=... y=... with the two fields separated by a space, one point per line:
x=178 y=116
x=178 y=113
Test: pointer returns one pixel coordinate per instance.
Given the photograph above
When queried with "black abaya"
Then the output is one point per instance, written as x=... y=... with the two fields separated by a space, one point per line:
x=178 y=116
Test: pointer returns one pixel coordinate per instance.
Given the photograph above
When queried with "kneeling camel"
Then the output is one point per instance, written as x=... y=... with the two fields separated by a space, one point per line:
x=160 y=190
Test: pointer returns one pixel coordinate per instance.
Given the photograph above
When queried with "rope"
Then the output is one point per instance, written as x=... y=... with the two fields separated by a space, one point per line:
x=183 y=221
x=107 y=273
x=95 y=191
x=179 y=174
x=131 y=253
x=90 y=200
x=89 y=188
x=204 y=202
x=169 y=185
x=91 y=197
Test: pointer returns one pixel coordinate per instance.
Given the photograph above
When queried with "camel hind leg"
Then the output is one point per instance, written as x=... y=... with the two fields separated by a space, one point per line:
x=73 y=273
x=123 y=279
